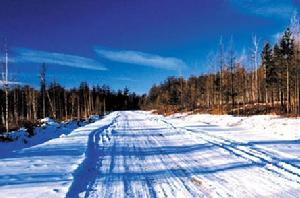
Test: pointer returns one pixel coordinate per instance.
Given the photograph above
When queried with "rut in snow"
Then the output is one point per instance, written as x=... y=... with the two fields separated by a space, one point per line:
x=256 y=156
x=87 y=172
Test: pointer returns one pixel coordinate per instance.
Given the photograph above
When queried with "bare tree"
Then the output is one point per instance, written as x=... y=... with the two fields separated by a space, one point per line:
x=255 y=56
x=43 y=88
x=221 y=65
x=232 y=65
x=5 y=84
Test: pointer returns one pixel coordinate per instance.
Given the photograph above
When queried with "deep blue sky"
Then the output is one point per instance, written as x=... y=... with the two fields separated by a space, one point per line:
x=132 y=43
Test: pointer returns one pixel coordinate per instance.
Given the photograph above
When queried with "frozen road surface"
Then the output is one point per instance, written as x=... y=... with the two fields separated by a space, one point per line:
x=137 y=154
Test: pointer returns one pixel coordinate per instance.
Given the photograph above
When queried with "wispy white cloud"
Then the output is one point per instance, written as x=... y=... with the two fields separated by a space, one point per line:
x=10 y=83
x=10 y=59
x=37 y=56
x=125 y=79
x=143 y=59
x=266 y=8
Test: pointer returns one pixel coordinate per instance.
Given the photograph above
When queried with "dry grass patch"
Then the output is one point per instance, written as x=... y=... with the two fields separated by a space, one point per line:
x=196 y=181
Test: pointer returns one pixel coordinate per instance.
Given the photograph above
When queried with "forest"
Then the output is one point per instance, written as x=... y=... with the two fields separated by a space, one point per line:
x=260 y=81
x=26 y=105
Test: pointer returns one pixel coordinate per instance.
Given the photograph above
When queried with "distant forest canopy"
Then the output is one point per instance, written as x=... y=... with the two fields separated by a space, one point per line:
x=27 y=105
x=261 y=81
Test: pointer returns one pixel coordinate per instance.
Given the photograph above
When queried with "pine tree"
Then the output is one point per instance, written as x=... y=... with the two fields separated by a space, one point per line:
x=269 y=70
x=287 y=50
x=279 y=70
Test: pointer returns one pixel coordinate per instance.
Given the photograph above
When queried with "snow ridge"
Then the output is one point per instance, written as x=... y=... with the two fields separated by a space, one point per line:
x=86 y=173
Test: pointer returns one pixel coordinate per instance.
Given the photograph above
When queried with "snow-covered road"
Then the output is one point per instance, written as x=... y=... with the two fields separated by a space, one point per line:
x=137 y=154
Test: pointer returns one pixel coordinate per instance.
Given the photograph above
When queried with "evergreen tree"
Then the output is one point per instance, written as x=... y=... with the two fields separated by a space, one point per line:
x=287 y=51
x=269 y=70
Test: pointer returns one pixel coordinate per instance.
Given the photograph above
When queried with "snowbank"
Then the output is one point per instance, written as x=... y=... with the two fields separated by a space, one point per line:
x=47 y=169
x=48 y=130
x=272 y=124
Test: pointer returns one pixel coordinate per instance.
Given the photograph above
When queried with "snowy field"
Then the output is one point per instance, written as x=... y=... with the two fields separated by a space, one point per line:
x=138 y=154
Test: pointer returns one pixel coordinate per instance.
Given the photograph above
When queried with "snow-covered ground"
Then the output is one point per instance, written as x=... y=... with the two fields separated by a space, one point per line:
x=138 y=154
x=47 y=130
x=47 y=168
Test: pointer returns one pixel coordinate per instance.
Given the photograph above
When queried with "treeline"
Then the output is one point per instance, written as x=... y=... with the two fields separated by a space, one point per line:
x=259 y=82
x=28 y=105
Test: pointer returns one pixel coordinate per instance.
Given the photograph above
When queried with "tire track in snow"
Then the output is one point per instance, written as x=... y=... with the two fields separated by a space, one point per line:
x=137 y=152
x=87 y=172
x=116 y=177
x=181 y=177
x=257 y=156
x=181 y=174
x=184 y=175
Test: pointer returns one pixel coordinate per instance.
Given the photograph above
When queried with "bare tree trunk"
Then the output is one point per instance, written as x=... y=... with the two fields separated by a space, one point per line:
x=72 y=105
x=6 y=92
x=6 y=108
x=16 y=115
x=298 y=92
x=66 y=105
x=98 y=105
x=34 y=105
x=51 y=105
x=2 y=115
x=43 y=88
x=255 y=56
x=78 y=107
x=266 y=87
x=104 y=107
x=287 y=89
x=244 y=90
x=28 y=104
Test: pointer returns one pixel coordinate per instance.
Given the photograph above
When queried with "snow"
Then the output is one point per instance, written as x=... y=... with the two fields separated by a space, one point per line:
x=45 y=170
x=49 y=121
x=139 y=154
x=48 y=130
